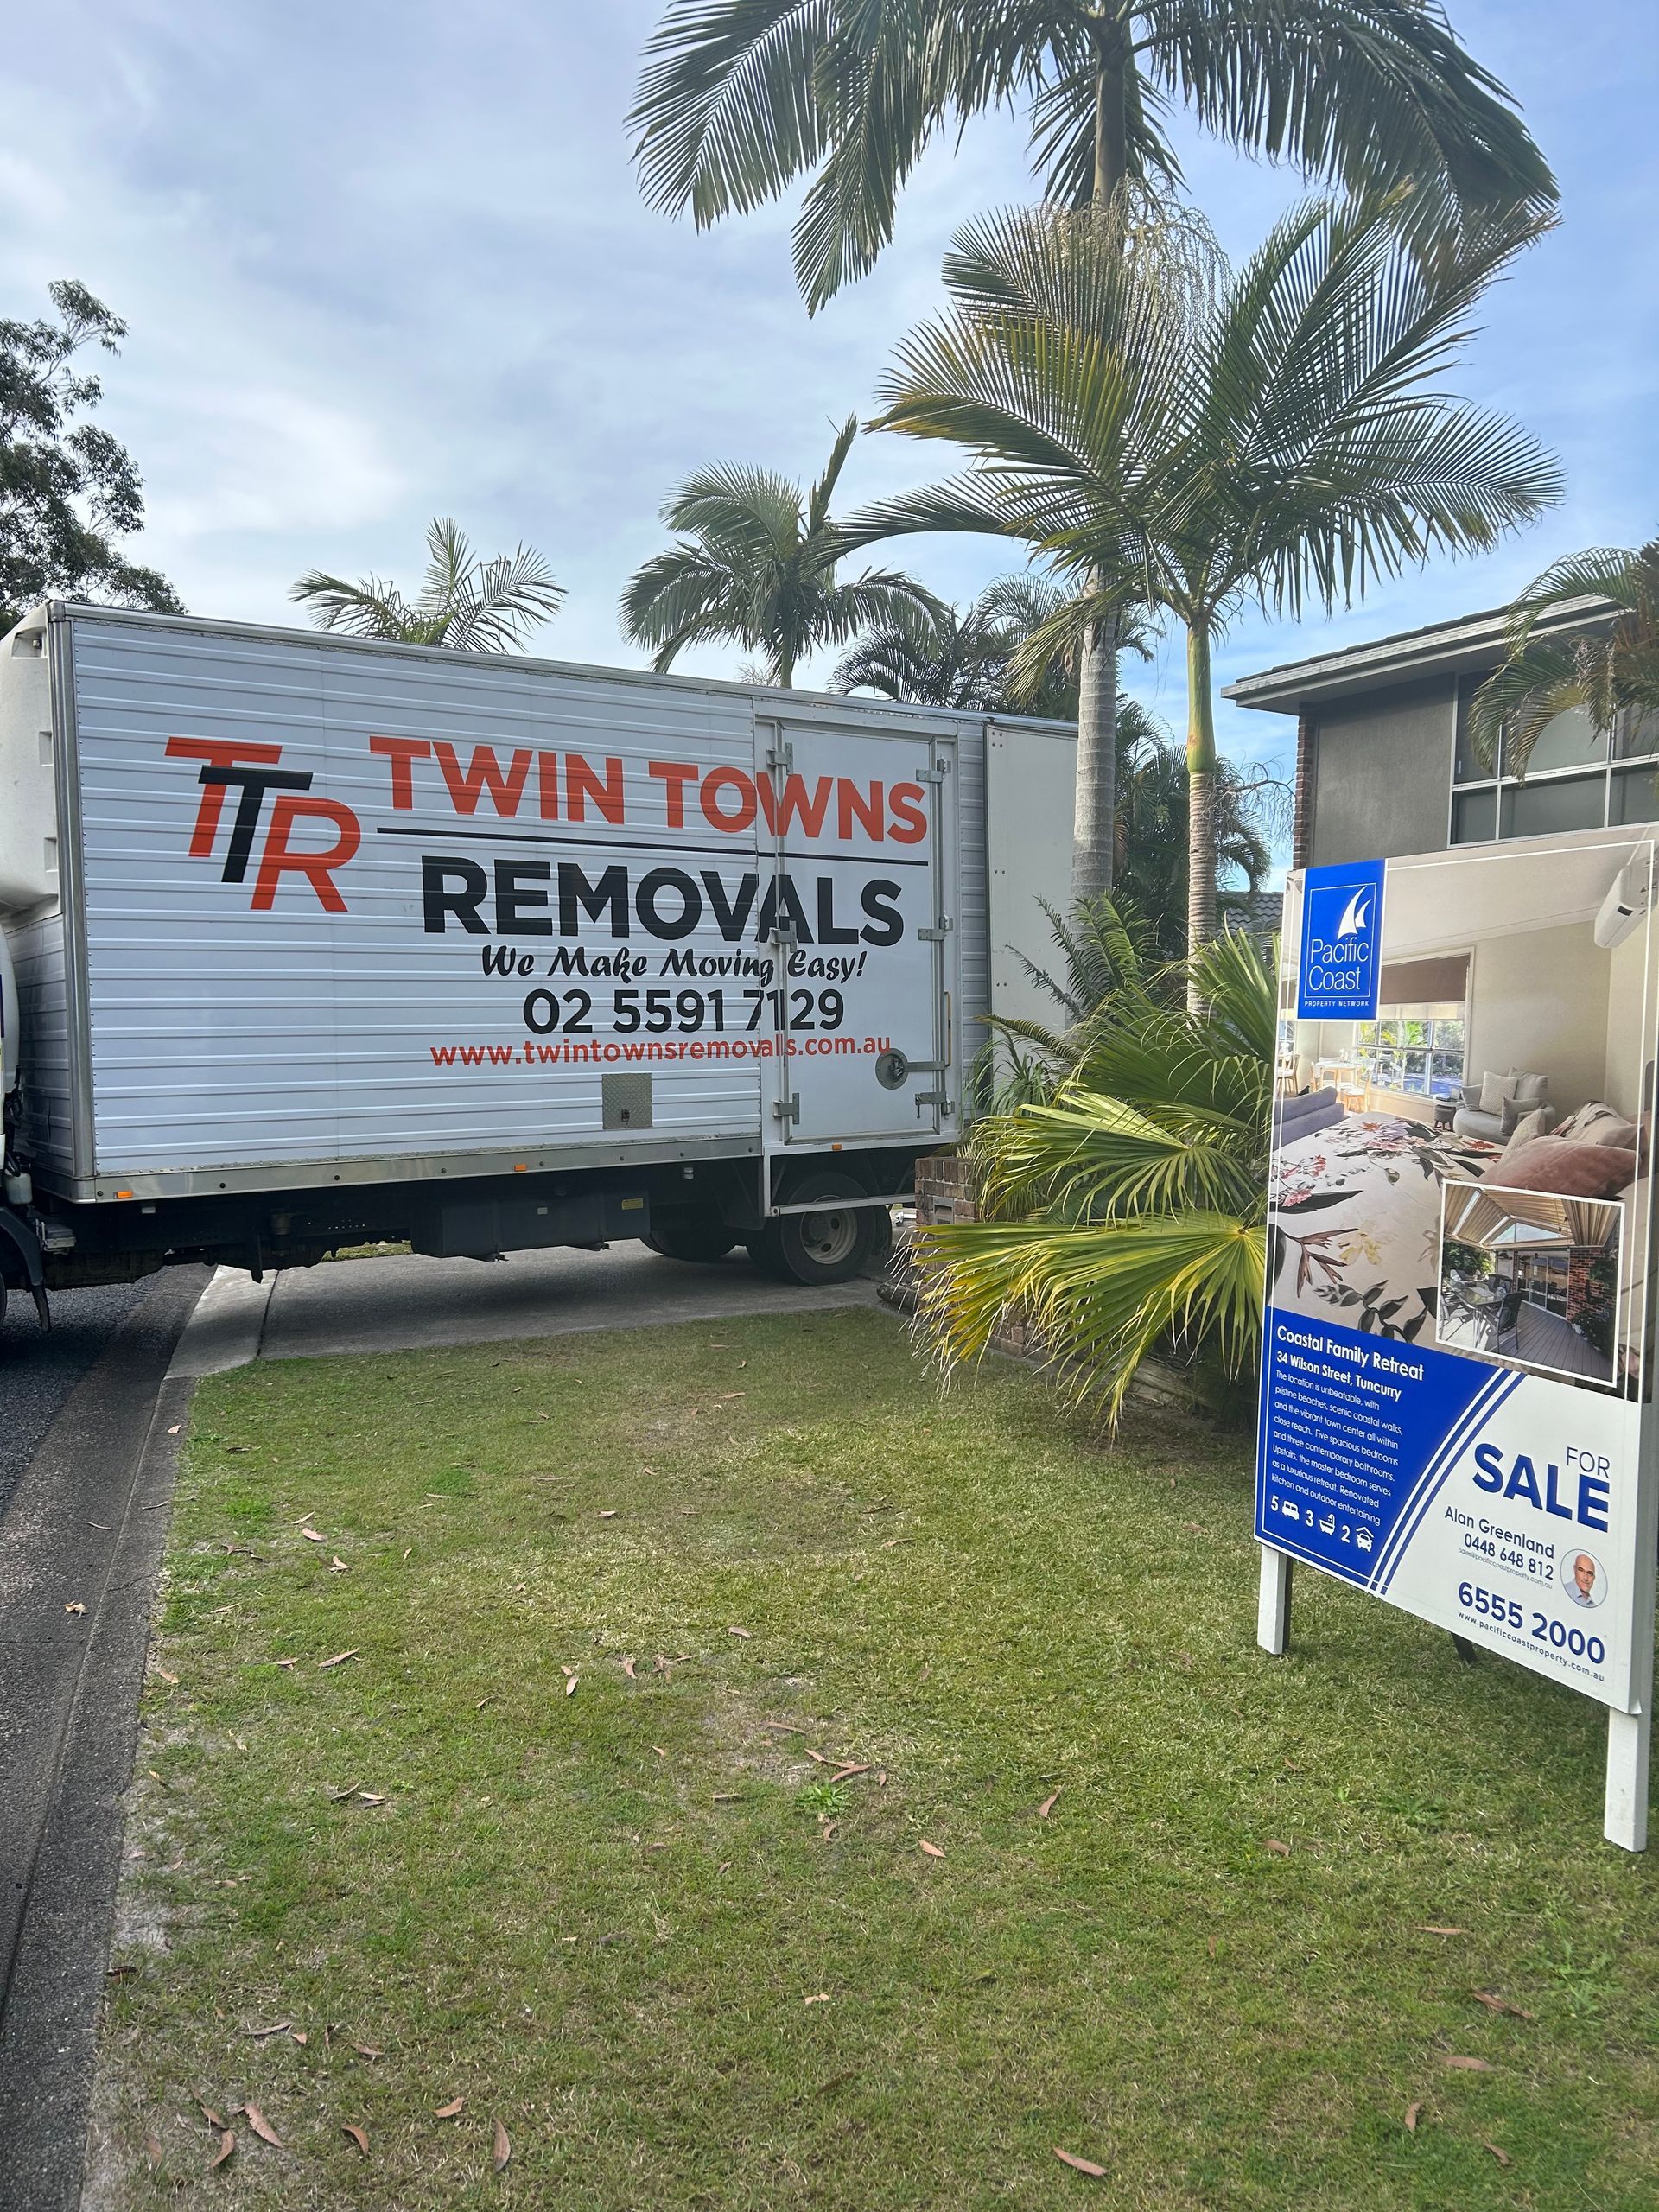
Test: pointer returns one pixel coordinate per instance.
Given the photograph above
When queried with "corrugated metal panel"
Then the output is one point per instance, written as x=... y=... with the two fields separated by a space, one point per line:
x=222 y=1035
x=973 y=908
x=43 y=1002
x=1030 y=775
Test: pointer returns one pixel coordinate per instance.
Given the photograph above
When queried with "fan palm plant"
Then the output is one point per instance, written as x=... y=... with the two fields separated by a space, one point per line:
x=1278 y=441
x=758 y=566
x=1612 y=671
x=1126 y=1214
x=737 y=99
x=466 y=603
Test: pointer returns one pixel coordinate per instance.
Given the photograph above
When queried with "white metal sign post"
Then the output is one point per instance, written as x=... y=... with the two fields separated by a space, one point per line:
x=1456 y=1410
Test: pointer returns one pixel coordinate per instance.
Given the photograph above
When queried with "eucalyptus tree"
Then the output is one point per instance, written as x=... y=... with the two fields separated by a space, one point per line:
x=466 y=603
x=1611 y=670
x=1282 y=442
x=757 y=564
x=738 y=98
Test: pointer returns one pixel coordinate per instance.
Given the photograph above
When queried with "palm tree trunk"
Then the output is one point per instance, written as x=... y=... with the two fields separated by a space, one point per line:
x=1093 y=833
x=1201 y=797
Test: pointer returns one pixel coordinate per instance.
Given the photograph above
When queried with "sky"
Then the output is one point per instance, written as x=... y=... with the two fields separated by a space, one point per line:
x=387 y=260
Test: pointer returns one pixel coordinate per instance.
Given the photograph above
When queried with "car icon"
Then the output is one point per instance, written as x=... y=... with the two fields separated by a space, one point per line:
x=1363 y=1538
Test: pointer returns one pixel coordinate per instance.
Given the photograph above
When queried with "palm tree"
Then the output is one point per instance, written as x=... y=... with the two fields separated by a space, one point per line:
x=962 y=662
x=1127 y=1212
x=1278 y=441
x=1611 y=670
x=737 y=99
x=466 y=603
x=1155 y=850
x=757 y=565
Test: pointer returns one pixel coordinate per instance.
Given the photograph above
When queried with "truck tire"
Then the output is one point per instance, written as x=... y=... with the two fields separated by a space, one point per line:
x=823 y=1246
x=699 y=1237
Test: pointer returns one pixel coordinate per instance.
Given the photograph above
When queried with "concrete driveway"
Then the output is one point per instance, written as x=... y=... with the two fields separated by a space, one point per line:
x=404 y=1303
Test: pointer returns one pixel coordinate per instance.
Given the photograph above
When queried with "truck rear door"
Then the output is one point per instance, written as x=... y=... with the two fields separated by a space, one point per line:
x=862 y=834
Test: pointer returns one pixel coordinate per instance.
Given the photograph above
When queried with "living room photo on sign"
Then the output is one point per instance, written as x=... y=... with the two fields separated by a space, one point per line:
x=1465 y=1163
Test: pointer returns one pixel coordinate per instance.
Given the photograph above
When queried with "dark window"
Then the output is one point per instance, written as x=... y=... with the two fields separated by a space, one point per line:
x=1541 y=810
x=1571 y=740
x=1474 y=817
x=1468 y=769
x=1635 y=797
x=1636 y=736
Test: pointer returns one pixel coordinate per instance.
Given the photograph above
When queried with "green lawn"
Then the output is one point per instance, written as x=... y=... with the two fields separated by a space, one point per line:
x=601 y=1917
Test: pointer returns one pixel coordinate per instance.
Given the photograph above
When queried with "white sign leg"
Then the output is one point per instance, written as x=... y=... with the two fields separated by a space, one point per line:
x=1629 y=1736
x=1273 y=1603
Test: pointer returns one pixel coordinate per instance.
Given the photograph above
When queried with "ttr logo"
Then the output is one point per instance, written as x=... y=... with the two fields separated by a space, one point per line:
x=251 y=771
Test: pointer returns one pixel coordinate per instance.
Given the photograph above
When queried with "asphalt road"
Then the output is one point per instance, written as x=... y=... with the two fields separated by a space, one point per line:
x=38 y=1372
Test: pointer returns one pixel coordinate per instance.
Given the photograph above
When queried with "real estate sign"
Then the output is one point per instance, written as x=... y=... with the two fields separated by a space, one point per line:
x=1456 y=1410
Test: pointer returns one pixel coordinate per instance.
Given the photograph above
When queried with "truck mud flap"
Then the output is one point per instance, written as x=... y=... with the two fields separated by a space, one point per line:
x=28 y=1246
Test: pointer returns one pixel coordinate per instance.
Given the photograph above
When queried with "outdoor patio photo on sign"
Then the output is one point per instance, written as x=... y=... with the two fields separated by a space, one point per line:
x=1455 y=1374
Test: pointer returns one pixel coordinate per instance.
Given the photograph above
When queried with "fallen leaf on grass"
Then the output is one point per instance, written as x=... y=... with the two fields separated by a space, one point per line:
x=1080 y=2165
x=1494 y=2003
x=364 y=2049
x=288 y=1663
x=153 y=2152
x=162 y=1675
x=932 y=1849
x=448 y=2111
x=258 y=2035
x=371 y=1797
x=822 y=1998
x=570 y=1684
x=337 y=1565
x=819 y=1756
x=745 y=1633
x=357 y=2136
x=846 y=1773
x=1047 y=1806
x=226 y=2144
x=1503 y=2156
x=175 y=1429
x=1273 y=1844
x=340 y=1795
x=627 y=1669
x=788 y=1727
x=724 y=1797
x=313 y=1535
x=210 y=2116
x=1429 y=1927
x=338 y=1659
x=300 y=2036
x=1465 y=2065
x=1413 y=2114
x=503 y=2147
x=74 y=1606
x=261 y=2127
x=609 y=1514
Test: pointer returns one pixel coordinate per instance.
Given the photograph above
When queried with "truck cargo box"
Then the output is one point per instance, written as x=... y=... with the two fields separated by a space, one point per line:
x=289 y=910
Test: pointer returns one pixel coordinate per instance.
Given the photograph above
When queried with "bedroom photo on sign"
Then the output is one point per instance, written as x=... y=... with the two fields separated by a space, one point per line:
x=1467 y=1169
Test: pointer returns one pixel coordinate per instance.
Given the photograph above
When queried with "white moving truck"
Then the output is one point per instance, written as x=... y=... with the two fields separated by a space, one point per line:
x=308 y=941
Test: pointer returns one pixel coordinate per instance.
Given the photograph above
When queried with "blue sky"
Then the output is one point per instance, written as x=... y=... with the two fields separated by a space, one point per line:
x=382 y=261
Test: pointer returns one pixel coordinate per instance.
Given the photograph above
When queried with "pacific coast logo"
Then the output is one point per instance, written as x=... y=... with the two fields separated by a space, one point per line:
x=1342 y=912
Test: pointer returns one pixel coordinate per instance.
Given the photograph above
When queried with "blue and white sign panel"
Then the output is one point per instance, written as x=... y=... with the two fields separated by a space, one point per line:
x=1457 y=1385
x=1340 y=974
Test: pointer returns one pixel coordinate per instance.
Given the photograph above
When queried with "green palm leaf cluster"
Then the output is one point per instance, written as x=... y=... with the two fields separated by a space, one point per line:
x=1128 y=1215
x=740 y=98
x=758 y=566
x=1279 y=434
x=1611 y=670
x=465 y=603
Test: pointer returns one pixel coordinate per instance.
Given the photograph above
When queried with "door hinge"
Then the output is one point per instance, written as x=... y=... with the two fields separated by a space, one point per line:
x=781 y=755
x=940 y=1098
x=788 y=1110
x=938 y=936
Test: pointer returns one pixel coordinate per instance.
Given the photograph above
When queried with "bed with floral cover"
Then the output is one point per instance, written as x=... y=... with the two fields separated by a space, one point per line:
x=1354 y=1221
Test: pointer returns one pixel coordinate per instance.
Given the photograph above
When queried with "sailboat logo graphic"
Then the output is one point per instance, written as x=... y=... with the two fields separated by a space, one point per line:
x=1356 y=914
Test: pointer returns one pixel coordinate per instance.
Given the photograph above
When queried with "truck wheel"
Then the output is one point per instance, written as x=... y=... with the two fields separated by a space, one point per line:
x=702 y=1237
x=829 y=1245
